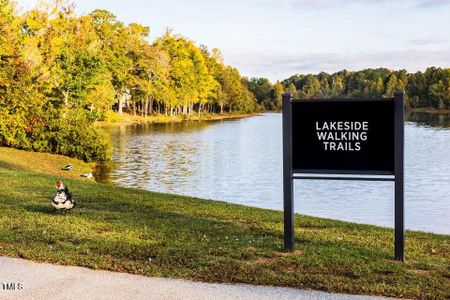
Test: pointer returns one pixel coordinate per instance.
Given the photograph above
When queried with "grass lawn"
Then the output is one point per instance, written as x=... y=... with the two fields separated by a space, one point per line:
x=154 y=234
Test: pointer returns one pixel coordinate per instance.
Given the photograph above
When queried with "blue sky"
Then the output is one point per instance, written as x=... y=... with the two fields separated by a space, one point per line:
x=278 y=38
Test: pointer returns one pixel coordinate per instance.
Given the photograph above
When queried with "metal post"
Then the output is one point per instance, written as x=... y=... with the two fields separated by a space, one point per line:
x=399 y=179
x=288 y=200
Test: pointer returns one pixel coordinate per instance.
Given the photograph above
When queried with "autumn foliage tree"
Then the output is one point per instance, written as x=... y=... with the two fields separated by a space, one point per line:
x=60 y=72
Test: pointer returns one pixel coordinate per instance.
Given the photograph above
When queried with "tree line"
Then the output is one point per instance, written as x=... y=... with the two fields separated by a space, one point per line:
x=429 y=89
x=60 y=72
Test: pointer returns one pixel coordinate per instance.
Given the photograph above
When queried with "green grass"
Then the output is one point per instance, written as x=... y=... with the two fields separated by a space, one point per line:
x=154 y=234
x=44 y=163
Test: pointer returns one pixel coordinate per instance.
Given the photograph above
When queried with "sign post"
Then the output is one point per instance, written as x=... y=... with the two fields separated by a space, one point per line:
x=288 y=185
x=399 y=179
x=344 y=139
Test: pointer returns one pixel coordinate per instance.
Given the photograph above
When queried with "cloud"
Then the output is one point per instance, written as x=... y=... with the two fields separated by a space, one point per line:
x=278 y=66
x=426 y=41
x=336 y=3
x=432 y=3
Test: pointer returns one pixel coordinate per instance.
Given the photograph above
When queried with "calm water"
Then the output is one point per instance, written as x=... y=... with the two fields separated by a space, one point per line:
x=240 y=161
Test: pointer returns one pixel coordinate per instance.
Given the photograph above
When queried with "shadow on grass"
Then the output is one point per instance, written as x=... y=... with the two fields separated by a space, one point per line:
x=10 y=166
x=39 y=208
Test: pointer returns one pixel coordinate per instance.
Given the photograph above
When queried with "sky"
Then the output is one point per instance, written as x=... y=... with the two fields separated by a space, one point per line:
x=280 y=38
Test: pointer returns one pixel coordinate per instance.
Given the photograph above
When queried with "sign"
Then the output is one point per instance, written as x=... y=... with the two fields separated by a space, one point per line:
x=342 y=137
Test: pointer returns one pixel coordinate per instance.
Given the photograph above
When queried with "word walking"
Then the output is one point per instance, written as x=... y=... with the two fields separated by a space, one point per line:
x=342 y=135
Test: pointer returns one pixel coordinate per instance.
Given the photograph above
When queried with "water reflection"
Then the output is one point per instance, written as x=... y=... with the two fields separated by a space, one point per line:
x=429 y=119
x=240 y=161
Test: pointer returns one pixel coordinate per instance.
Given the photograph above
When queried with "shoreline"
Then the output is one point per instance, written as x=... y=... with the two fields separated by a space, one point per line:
x=116 y=119
x=428 y=110
x=129 y=119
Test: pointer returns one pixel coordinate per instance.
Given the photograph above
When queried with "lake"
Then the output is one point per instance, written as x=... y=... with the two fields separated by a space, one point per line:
x=240 y=161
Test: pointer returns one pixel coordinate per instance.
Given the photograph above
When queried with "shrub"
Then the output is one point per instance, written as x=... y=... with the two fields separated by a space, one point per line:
x=71 y=135
x=75 y=136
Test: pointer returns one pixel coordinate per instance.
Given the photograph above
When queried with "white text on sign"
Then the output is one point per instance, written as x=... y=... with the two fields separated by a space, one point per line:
x=342 y=135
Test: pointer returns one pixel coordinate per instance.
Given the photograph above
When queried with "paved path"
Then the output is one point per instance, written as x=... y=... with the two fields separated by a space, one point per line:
x=46 y=281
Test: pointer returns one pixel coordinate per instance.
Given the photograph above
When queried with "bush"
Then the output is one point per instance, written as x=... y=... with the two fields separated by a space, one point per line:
x=83 y=142
x=71 y=135
x=111 y=117
x=75 y=136
x=51 y=129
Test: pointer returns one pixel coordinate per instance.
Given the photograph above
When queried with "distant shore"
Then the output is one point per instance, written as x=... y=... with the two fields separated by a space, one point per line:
x=429 y=110
x=125 y=118
x=128 y=119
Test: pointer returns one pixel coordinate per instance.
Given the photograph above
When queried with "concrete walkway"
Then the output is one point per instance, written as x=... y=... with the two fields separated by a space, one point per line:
x=46 y=281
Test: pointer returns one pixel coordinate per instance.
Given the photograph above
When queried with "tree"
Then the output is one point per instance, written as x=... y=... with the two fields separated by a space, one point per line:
x=337 y=85
x=391 y=85
x=264 y=92
x=376 y=88
x=115 y=43
x=77 y=75
x=279 y=91
x=423 y=89
x=293 y=90
x=311 y=88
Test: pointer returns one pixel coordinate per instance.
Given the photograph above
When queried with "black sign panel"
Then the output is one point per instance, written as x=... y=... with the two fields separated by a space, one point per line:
x=343 y=136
